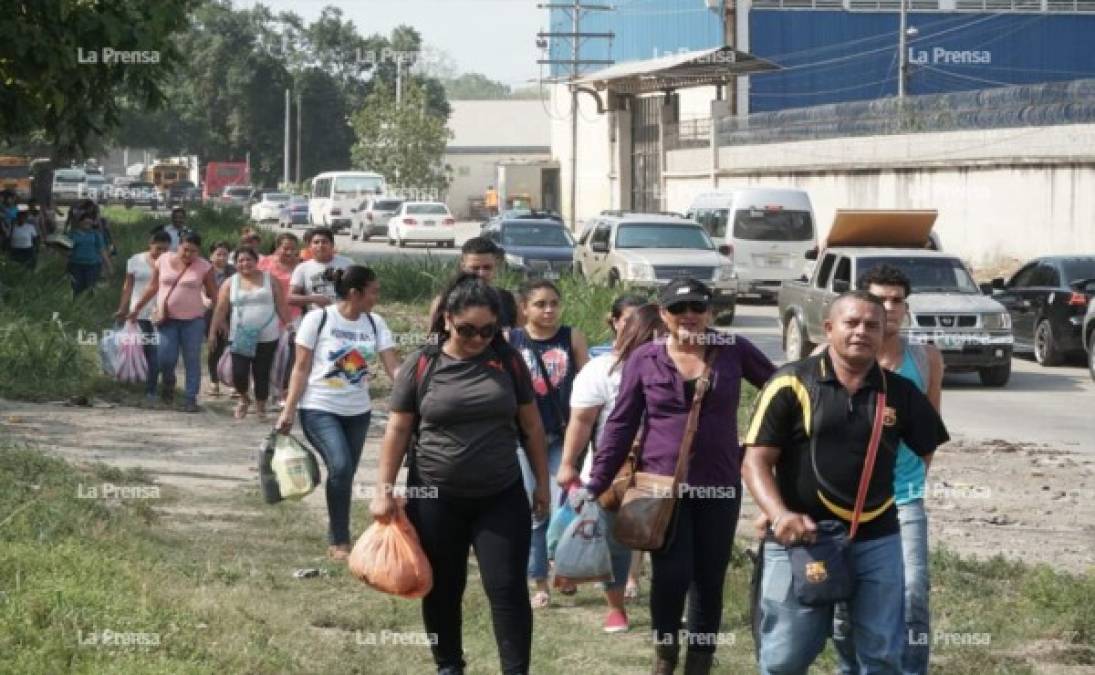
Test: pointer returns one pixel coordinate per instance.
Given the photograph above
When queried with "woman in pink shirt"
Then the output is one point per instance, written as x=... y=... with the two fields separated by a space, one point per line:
x=280 y=264
x=178 y=280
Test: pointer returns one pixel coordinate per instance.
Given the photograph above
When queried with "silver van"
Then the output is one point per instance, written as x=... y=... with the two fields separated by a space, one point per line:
x=768 y=231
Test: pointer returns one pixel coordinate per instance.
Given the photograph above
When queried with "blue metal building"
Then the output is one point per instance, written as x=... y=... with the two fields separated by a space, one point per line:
x=846 y=50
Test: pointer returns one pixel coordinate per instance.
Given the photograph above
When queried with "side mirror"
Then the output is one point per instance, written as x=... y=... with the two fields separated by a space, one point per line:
x=986 y=289
x=353 y=210
x=841 y=286
x=812 y=254
x=997 y=283
x=598 y=247
x=804 y=279
x=726 y=250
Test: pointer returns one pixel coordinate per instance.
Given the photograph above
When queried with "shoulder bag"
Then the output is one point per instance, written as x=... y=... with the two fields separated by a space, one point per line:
x=245 y=341
x=159 y=312
x=650 y=499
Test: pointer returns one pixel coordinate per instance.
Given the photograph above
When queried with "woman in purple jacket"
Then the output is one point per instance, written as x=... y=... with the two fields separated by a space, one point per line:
x=658 y=383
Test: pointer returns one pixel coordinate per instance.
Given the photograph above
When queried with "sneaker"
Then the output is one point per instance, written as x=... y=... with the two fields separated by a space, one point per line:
x=616 y=622
x=191 y=407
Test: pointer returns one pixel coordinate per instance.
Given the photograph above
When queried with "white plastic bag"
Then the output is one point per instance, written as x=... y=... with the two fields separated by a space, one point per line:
x=582 y=554
x=109 y=351
x=295 y=468
x=132 y=365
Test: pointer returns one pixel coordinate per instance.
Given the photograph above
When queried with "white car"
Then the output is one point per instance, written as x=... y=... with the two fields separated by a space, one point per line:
x=269 y=207
x=422 y=222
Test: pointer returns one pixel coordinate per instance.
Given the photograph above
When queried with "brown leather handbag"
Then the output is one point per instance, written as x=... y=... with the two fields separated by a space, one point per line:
x=646 y=509
x=611 y=498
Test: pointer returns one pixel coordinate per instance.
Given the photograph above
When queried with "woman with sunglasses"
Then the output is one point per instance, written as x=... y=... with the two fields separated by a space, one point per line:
x=591 y=401
x=330 y=386
x=656 y=392
x=554 y=354
x=466 y=401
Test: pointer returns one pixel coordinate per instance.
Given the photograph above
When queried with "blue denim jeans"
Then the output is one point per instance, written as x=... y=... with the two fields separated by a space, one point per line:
x=183 y=335
x=151 y=354
x=621 y=558
x=914 y=550
x=538 y=557
x=83 y=276
x=339 y=440
x=792 y=634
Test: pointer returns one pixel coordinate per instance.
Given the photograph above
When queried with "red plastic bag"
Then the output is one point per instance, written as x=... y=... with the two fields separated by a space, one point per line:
x=389 y=557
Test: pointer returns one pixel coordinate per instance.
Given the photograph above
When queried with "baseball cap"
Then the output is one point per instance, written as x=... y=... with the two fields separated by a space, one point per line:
x=684 y=289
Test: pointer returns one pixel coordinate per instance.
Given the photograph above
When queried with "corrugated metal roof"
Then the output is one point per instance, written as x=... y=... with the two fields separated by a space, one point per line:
x=697 y=68
x=500 y=124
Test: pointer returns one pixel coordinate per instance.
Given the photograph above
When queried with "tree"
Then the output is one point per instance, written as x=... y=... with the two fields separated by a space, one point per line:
x=404 y=143
x=475 y=86
x=48 y=85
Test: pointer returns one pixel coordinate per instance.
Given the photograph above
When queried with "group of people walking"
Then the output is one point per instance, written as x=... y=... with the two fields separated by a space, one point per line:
x=507 y=414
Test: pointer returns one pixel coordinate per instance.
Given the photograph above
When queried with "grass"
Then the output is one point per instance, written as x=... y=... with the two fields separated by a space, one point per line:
x=214 y=593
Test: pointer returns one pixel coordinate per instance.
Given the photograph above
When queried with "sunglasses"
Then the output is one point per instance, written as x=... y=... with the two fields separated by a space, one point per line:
x=694 y=306
x=468 y=331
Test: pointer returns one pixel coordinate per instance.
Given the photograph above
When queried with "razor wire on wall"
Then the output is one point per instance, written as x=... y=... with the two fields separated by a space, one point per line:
x=1071 y=102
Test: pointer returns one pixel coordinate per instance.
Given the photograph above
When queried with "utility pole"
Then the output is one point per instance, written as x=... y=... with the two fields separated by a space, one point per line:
x=285 y=174
x=299 y=117
x=576 y=62
x=398 y=82
x=903 y=50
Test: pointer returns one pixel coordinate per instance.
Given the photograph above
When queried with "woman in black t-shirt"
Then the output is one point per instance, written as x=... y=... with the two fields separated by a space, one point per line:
x=464 y=403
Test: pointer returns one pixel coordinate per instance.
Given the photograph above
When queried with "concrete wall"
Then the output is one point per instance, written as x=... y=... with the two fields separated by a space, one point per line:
x=471 y=174
x=1000 y=193
x=598 y=175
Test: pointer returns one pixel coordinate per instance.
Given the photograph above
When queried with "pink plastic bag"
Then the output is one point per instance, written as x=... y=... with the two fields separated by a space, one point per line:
x=224 y=368
x=132 y=366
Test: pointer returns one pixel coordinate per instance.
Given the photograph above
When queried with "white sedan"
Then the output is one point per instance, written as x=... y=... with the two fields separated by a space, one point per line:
x=269 y=207
x=422 y=222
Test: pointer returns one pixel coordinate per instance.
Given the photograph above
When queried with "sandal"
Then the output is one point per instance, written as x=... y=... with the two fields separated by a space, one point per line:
x=569 y=589
x=213 y=390
x=541 y=599
x=631 y=591
x=241 y=410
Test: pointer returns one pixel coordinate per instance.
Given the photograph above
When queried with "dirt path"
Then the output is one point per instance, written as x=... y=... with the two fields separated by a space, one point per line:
x=1032 y=503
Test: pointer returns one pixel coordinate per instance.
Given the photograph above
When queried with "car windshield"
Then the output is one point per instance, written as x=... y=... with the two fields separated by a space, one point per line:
x=659 y=235
x=928 y=275
x=238 y=192
x=184 y=184
x=428 y=209
x=1079 y=268
x=279 y=197
x=773 y=225
x=536 y=235
x=14 y=171
x=69 y=178
x=96 y=179
x=357 y=185
x=387 y=205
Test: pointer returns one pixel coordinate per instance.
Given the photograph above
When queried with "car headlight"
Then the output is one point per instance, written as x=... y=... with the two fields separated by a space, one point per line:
x=726 y=272
x=999 y=321
x=515 y=260
x=640 y=271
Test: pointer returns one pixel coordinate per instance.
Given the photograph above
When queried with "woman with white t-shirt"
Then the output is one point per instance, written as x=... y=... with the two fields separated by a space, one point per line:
x=138 y=272
x=330 y=386
x=592 y=398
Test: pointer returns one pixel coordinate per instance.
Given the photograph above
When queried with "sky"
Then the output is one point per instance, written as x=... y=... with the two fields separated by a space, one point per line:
x=494 y=37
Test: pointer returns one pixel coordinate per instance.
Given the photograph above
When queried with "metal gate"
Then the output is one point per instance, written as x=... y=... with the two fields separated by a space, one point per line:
x=646 y=154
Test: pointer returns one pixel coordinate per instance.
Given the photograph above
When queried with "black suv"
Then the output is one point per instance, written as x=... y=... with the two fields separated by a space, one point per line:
x=1047 y=299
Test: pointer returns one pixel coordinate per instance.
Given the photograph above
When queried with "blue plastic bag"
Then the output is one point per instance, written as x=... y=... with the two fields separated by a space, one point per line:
x=582 y=554
x=557 y=526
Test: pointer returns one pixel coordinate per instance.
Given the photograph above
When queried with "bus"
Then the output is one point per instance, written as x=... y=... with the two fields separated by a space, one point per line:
x=163 y=175
x=15 y=175
x=336 y=193
x=219 y=175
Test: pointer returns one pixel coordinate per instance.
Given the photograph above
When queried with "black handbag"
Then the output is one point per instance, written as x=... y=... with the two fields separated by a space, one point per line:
x=823 y=571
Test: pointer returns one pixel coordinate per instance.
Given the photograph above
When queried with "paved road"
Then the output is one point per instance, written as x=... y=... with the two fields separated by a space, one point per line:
x=1039 y=405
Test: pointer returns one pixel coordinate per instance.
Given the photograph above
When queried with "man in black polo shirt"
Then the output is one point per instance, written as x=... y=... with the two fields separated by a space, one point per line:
x=806 y=448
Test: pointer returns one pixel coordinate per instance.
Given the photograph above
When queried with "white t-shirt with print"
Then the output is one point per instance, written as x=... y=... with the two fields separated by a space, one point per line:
x=596 y=385
x=23 y=236
x=341 y=358
x=309 y=276
x=138 y=265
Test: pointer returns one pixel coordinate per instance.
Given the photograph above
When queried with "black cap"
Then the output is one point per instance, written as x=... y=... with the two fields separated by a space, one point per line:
x=684 y=289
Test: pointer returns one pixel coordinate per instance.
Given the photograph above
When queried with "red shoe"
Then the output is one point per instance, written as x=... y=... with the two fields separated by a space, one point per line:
x=616 y=622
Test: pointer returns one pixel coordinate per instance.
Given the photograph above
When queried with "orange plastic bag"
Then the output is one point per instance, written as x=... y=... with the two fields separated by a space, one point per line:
x=389 y=557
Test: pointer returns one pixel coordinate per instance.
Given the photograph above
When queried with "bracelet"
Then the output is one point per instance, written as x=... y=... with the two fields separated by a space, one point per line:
x=775 y=523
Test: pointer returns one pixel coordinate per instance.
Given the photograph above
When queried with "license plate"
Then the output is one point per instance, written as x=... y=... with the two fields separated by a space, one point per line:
x=429 y=223
x=775 y=261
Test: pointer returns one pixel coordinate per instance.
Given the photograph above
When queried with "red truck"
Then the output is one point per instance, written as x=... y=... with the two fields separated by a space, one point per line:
x=219 y=175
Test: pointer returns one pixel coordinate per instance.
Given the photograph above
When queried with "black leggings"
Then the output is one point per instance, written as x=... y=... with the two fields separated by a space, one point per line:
x=694 y=565
x=257 y=367
x=499 y=528
x=214 y=352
